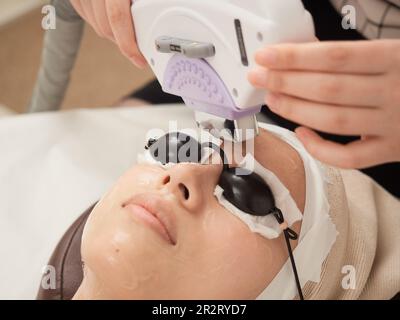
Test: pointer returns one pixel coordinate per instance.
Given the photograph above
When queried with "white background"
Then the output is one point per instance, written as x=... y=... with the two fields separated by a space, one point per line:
x=12 y=9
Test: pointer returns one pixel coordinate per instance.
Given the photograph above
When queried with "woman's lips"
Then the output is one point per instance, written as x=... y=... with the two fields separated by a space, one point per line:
x=151 y=210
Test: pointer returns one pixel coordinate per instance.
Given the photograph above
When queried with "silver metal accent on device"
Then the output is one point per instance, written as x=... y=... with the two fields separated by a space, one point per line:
x=189 y=48
x=239 y=130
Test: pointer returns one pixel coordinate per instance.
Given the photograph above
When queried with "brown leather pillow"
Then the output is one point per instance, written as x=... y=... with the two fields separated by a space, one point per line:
x=66 y=260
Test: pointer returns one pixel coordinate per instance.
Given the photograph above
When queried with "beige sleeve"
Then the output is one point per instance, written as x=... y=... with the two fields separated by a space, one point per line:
x=367 y=219
x=371 y=199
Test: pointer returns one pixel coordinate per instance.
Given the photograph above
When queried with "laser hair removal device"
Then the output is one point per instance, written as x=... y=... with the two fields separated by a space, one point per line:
x=202 y=50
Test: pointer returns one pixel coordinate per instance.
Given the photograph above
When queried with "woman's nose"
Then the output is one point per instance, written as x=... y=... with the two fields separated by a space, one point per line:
x=192 y=184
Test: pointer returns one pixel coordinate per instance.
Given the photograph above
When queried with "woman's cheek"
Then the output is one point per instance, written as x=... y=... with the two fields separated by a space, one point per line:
x=146 y=174
x=232 y=239
x=224 y=230
x=118 y=252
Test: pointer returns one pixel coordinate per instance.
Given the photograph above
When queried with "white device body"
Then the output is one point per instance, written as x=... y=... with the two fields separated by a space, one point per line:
x=263 y=22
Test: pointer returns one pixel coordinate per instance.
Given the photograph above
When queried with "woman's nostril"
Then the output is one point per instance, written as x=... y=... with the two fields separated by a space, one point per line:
x=166 y=180
x=184 y=190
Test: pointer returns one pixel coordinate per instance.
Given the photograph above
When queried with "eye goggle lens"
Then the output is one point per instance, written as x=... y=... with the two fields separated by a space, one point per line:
x=175 y=148
x=249 y=193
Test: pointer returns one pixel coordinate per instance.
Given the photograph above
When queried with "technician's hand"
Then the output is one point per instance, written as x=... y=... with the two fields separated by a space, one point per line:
x=345 y=88
x=112 y=19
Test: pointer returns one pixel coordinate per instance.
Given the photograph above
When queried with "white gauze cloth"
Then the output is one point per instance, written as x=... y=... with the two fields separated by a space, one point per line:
x=266 y=226
x=318 y=233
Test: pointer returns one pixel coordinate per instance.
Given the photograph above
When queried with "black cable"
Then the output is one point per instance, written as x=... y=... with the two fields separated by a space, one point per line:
x=296 y=275
x=290 y=235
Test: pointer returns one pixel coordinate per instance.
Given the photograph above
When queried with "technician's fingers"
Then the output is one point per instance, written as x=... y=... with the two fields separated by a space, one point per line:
x=364 y=57
x=84 y=9
x=327 y=118
x=356 y=155
x=357 y=90
x=119 y=16
x=87 y=7
x=100 y=14
x=78 y=7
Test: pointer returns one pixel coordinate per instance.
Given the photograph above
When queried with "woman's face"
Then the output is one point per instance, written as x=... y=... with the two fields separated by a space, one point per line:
x=161 y=234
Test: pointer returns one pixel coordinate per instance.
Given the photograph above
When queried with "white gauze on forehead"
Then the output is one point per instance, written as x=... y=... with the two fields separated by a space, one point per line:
x=267 y=226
